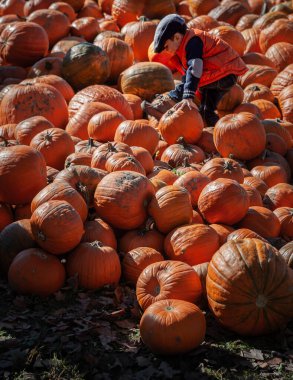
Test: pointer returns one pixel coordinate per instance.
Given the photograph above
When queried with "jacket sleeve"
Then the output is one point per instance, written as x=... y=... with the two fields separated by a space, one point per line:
x=194 y=53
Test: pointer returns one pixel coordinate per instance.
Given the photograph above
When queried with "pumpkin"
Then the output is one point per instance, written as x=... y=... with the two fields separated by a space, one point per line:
x=285 y=102
x=64 y=8
x=99 y=230
x=146 y=79
x=82 y=178
x=223 y=201
x=86 y=27
x=230 y=12
x=178 y=154
x=193 y=244
x=233 y=135
x=45 y=66
x=223 y=232
x=243 y=233
x=253 y=194
x=136 y=260
x=280 y=195
x=55 y=23
x=253 y=58
x=145 y=236
x=51 y=174
x=282 y=80
x=267 y=108
x=56 y=213
x=144 y=157
x=287 y=253
x=270 y=173
x=251 y=36
x=231 y=99
x=28 y=128
x=258 y=74
x=120 y=55
x=285 y=216
x=18 y=166
x=202 y=7
x=223 y=168
x=281 y=54
x=61 y=191
x=15 y=43
x=256 y=91
x=121 y=199
x=105 y=151
x=167 y=280
x=239 y=294
x=123 y=161
x=275 y=143
x=95 y=264
x=102 y=126
x=183 y=122
x=78 y=158
x=85 y=146
x=267 y=19
x=172 y=327
x=22 y=212
x=62 y=46
x=100 y=93
x=6 y=216
x=85 y=64
x=34 y=271
x=257 y=184
x=55 y=145
x=262 y=221
x=246 y=22
x=135 y=103
x=12 y=7
x=161 y=174
x=26 y=100
x=32 y=5
x=280 y=30
x=271 y=157
x=194 y=182
x=231 y=36
x=170 y=207
x=90 y=9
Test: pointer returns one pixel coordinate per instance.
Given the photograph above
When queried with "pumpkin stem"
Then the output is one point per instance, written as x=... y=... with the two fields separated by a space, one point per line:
x=142 y=18
x=255 y=88
x=228 y=165
x=48 y=66
x=96 y=243
x=149 y=225
x=111 y=148
x=82 y=189
x=181 y=141
x=90 y=142
x=48 y=136
x=261 y=301
x=4 y=140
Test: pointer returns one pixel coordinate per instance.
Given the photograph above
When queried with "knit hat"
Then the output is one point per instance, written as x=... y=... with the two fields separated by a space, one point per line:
x=166 y=29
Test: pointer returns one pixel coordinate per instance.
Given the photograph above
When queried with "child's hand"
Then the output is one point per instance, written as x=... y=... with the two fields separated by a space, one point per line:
x=185 y=102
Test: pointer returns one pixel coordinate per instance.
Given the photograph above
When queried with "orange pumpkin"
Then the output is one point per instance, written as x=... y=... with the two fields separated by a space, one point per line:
x=280 y=195
x=102 y=126
x=285 y=216
x=99 y=230
x=223 y=168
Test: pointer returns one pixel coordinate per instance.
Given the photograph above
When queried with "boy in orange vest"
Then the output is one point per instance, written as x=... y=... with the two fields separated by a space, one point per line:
x=207 y=63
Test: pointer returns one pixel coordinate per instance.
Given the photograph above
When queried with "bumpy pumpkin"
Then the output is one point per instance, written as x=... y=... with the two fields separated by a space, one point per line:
x=249 y=287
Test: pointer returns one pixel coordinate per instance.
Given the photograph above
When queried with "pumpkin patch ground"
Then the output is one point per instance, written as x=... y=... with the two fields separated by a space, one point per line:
x=143 y=236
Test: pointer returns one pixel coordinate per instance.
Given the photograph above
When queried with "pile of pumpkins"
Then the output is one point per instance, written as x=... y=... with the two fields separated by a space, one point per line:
x=189 y=215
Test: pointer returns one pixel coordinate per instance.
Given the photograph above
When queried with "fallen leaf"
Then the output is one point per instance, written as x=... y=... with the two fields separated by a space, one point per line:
x=253 y=354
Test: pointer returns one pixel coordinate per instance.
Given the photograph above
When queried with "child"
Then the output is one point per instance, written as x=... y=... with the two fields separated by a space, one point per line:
x=207 y=63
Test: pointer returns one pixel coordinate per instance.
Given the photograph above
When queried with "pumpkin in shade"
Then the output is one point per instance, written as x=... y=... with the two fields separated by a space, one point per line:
x=234 y=134
x=64 y=8
x=285 y=102
x=34 y=271
x=262 y=221
x=249 y=287
x=223 y=231
x=146 y=79
x=170 y=207
x=6 y=216
x=285 y=216
x=231 y=99
x=99 y=230
x=280 y=195
x=50 y=215
x=183 y=122
x=270 y=173
x=223 y=201
x=95 y=264
x=86 y=27
x=121 y=199
x=229 y=12
x=172 y=327
x=287 y=253
x=22 y=174
x=136 y=260
x=253 y=194
x=257 y=183
x=85 y=64
x=167 y=280
x=135 y=103
x=193 y=244
x=16 y=40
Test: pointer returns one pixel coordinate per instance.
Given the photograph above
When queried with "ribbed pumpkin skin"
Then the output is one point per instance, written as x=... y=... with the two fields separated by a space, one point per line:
x=95 y=264
x=258 y=74
x=223 y=168
x=170 y=207
x=143 y=237
x=249 y=287
x=84 y=65
x=24 y=101
x=14 y=238
x=56 y=240
x=136 y=260
x=223 y=231
x=230 y=12
x=99 y=230
x=61 y=191
x=282 y=80
x=280 y=195
x=285 y=216
x=172 y=327
x=244 y=233
x=281 y=54
x=100 y=93
x=234 y=134
x=184 y=122
x=262 y=221
x=121 y=199
x=223 y=201
x=55 y=145
x=146 y=79
x=231 y=36
x=285 y=102
x=22 y=174
x=23 y=43
x=28 y=128
x=194 y=244
x=34 y=271
x=253 y=194
x=78 y=158
x=287 y=253
x=167 y=279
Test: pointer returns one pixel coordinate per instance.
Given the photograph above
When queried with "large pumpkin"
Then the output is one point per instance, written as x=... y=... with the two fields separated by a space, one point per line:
x=34 y=271
x=241 y=135
x=22 y=174
x=121 y=199
x=167 y=279
x=172 y=327
x=95 y=264
x=84 y=65
x=249 y=287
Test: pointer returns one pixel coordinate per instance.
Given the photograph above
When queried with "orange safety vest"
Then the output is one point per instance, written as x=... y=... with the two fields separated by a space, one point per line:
x=219 y=59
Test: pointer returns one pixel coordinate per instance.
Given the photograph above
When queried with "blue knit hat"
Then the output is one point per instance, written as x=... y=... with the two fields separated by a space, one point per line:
x=166 y=29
